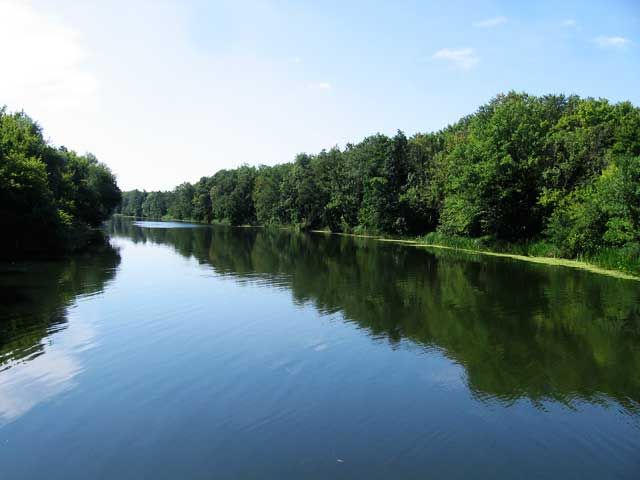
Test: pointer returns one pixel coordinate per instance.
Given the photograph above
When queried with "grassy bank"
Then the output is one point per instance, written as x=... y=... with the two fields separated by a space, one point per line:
x=625 y=260
x=622 y=263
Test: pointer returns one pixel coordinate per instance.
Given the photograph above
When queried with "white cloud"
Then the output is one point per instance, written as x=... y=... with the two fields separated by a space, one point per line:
x=144 y=91
x=45 y=73
x=30 y=382
x=490 y=22
x=464 y=58
x=321 y=86
x=612 y=42
x=569 y=23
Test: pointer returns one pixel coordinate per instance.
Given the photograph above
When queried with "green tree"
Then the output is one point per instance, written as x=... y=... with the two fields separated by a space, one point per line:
x=48 y=196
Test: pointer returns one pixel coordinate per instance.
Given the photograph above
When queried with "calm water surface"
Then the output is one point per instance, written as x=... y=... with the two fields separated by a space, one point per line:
x=215 y=353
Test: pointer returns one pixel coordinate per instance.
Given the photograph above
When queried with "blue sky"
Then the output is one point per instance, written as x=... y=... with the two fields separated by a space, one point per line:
x=166 y=92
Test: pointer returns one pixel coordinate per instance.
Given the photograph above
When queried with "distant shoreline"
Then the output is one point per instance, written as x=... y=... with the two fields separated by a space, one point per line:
x=552 y=261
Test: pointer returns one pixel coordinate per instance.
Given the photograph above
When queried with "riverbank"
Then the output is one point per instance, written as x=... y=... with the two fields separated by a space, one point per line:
x=467 y=245
x=582 y=264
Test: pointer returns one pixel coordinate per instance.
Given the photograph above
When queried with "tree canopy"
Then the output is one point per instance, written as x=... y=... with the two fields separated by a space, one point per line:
x=556 y=169
x=49 y=196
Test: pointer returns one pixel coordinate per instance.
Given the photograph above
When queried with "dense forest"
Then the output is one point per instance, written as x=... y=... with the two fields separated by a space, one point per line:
x=546 y=175
x=50 y=197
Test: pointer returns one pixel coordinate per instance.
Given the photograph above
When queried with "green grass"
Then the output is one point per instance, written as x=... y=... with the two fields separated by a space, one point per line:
x=619 y=263
x=625 y=259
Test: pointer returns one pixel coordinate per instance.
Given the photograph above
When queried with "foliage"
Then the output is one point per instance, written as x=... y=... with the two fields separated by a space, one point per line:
x=558 y=172
x=49 y=197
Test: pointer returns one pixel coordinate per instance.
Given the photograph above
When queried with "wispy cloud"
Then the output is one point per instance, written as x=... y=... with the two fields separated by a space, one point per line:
x=45 y=69
x=569 y=23
x=490 y=22
x=320 y=86
x=464 y=58
x=611 y=42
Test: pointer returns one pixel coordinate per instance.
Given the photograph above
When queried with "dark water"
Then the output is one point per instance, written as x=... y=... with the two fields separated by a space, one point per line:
x=198 y=352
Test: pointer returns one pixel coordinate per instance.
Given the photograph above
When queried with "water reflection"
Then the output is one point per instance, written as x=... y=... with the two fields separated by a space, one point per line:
x=519 y=330
x=34 y=303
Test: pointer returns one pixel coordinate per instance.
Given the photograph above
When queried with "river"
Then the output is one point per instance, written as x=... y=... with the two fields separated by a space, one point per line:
x=190 y=351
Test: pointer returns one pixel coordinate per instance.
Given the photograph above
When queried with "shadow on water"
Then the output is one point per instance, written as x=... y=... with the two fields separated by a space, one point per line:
x=519 y=330
x=35 y=296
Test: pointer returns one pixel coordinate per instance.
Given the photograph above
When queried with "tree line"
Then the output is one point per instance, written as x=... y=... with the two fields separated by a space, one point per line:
x=50 y=197
x=558 y=172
